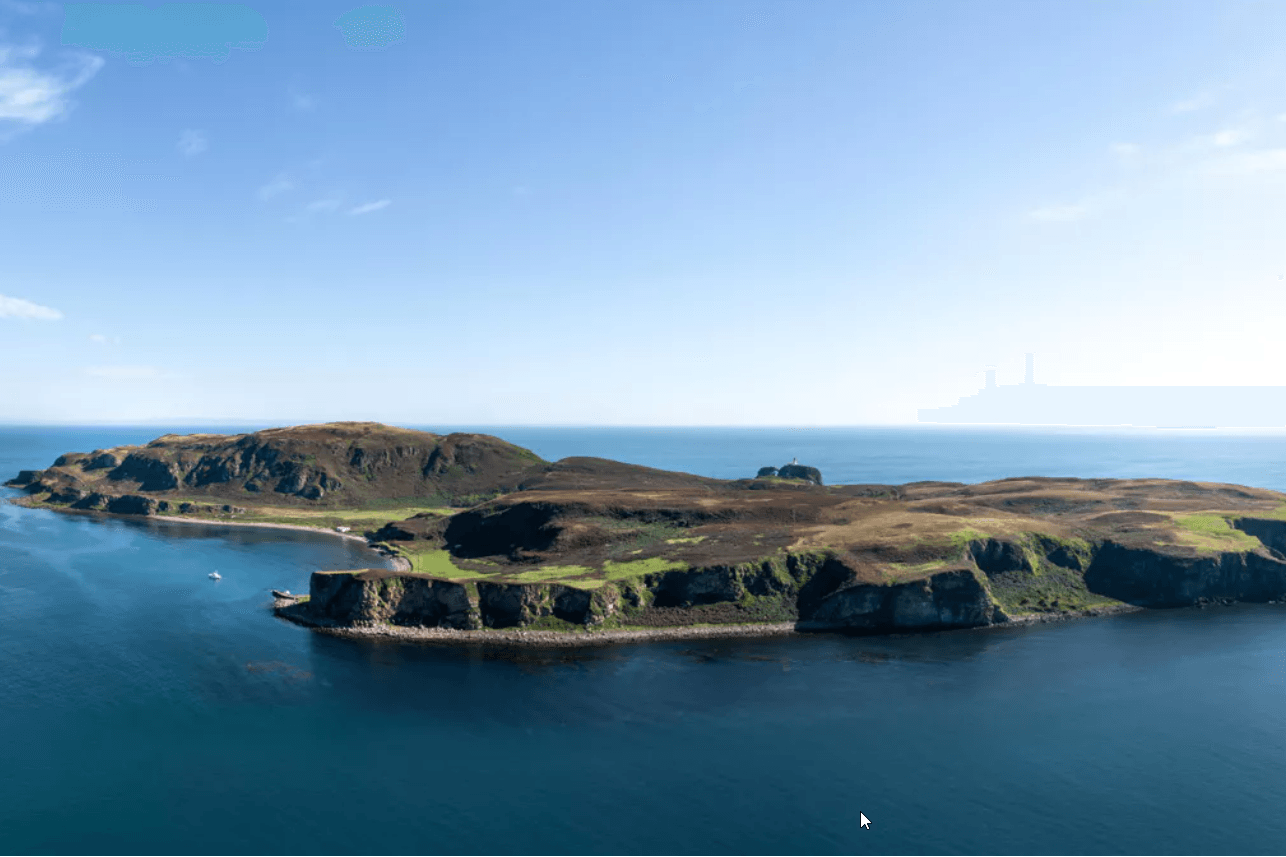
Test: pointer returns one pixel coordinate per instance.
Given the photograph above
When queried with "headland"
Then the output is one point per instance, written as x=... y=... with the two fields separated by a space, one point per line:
x=496 y=544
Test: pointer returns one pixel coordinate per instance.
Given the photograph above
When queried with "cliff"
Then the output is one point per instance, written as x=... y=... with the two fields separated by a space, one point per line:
x=584 y=549
x=336 y=465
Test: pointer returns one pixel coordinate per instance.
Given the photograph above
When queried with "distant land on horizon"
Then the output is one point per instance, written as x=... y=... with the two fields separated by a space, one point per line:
x=1156 y=406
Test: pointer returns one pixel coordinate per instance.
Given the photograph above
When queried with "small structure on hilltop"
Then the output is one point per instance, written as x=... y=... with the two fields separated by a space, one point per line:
x=794 y=470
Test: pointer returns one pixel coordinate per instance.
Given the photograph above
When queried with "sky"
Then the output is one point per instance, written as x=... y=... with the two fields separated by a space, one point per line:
x=643 y=212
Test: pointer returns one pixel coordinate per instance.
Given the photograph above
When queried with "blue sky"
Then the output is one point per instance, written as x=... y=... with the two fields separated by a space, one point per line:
x=676 y=213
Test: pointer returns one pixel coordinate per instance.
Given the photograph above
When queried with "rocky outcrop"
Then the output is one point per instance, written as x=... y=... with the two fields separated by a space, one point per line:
x=766 y=471
x=376 y=596
x=955 y=598
x=799 y=471
x=1151 y=578
x=148 y=469
x=1270 y=531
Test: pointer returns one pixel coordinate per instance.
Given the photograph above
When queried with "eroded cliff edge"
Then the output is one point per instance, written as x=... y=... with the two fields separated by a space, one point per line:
x=573 y=555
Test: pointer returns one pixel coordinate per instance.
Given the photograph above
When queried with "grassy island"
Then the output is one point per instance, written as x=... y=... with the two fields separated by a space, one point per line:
x=493 y=537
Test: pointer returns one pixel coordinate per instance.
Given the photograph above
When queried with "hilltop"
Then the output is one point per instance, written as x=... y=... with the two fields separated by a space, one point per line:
x=345 y=465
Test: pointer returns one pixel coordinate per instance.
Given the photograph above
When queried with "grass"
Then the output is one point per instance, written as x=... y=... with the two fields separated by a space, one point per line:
x=438 y=563
x=357 y=519
x=1213 y=533
x=638 y=567
x=550 y=572
x=900 y=571
x=690 y=540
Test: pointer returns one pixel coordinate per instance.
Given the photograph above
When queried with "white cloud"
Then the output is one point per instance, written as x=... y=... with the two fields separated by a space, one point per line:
x=1058 y=213
x=30 y=96
x=192 y=142
x=1230 y=137
x=1125 y=150
x=19 y=308
x=126 y=373
x=367 y=208
x=276 y=187
x=100 y=339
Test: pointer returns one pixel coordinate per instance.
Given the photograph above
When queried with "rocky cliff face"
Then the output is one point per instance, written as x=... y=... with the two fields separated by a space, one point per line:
x=339 y=464
x=820 y=590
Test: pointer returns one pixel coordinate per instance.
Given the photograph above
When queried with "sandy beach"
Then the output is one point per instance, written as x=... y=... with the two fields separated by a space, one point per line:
x=399 y=563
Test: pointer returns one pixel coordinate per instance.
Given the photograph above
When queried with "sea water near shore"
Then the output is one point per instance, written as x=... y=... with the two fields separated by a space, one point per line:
x=145 y=708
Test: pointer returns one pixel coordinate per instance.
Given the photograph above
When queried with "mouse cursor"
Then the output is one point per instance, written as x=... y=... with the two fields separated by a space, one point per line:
x=866 y=822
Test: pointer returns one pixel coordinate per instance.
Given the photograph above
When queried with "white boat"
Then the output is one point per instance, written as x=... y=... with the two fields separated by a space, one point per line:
x=214 y=575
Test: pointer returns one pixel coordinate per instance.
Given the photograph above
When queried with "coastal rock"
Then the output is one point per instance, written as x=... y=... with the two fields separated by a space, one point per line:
x=375 y=595
x=799 y=471
x=766 y=471
x=94 y=501
x=132 y=504
x=1152 y=578
x=954 y=598
x=23 y=479
x=151 y=472
x=99 y=460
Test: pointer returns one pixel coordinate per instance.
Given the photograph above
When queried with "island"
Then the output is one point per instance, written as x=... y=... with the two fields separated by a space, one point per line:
x=492 y=542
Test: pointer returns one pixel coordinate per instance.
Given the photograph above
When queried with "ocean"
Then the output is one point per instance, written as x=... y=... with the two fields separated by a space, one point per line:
x=147 y=709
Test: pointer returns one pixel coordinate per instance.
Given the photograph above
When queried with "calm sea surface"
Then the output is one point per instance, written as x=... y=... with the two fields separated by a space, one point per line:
x=145 y=708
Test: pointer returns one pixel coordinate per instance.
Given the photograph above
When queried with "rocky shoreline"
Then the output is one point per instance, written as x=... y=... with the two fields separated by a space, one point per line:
x=549 y=639
x=294 y=609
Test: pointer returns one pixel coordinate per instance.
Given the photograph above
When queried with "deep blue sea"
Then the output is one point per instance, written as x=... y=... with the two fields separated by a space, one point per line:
x=147 y=709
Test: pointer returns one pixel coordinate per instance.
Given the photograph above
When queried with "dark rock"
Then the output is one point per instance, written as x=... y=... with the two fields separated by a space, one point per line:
x=994 y=556
x=101 y=461
x=766 y=471
x=799 y=471
x=69 y=458
x=132 y=504
x=24 y=478
x=152 y=473
x=65 y=495
x=92 y=501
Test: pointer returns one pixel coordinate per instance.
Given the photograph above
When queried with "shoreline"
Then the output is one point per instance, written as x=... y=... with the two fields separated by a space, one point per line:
x=517 y=636
x=399 y=563
x=581 y=639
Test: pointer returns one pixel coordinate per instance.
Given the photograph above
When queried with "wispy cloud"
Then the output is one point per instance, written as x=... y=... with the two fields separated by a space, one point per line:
x=1230 y=137
x=279 y=185
x=1126 y=150
x=192 y=142
x=368 y=207
x=19 y=308
x=100 y=339
x=31 y=96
